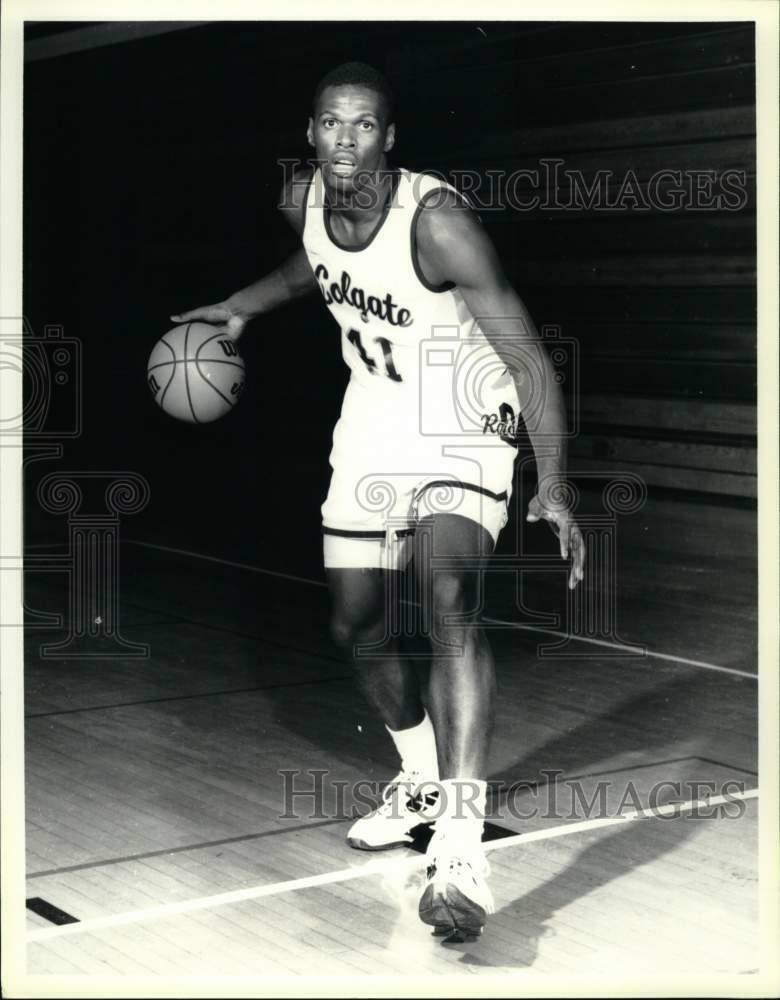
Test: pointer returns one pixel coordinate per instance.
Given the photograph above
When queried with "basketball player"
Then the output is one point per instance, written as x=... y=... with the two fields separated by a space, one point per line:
x=405 y=267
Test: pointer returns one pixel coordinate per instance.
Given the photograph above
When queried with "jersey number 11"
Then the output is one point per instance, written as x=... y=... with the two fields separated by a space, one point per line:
x=354 y=338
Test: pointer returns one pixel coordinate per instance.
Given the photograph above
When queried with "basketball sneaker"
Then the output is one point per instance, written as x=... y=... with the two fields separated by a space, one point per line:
x=456 y=899
x=403 y=808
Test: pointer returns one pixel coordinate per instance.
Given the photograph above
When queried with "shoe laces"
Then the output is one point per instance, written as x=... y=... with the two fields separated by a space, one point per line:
x=450 y=852
x=404 y=783
x=452 y=864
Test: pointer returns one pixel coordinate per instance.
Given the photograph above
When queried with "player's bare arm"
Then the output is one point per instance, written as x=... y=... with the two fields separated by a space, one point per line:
x=291 y=280
x=453 y=247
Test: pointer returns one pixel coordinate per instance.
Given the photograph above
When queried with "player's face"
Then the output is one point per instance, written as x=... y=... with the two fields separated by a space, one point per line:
x=350 y=135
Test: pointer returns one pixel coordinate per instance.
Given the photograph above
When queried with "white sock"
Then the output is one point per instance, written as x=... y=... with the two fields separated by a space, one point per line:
x=461 y=812
x=416 y=747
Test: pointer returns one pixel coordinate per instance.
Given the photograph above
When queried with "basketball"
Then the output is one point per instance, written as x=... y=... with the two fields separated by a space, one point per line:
x=195 y=373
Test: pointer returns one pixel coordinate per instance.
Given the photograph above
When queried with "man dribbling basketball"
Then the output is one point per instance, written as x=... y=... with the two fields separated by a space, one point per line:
x=401 y=261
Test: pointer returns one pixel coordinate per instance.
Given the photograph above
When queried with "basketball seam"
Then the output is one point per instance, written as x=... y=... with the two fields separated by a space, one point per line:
x=186 y=374
x=169 y=346
x=217 y=336
x=173 y=373
x=208 y=382
x=167 y=386
x=183 y=361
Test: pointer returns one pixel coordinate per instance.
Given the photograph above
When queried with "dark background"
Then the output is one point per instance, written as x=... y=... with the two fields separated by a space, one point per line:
x=151 y=184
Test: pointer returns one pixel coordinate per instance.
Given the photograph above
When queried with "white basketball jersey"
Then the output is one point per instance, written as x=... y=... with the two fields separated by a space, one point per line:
x=403 y=339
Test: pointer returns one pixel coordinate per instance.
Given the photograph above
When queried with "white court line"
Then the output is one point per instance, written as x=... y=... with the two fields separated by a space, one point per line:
x=495 y=621
x=366 y=870
x=633 y=649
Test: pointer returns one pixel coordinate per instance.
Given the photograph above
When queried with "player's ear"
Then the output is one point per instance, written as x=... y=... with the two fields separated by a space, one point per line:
x=310 y=132
x=390 y=137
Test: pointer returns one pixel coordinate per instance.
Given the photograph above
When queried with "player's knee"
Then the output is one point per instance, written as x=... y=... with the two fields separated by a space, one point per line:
x=449 y=593
x=342 y=632
x=348 y=633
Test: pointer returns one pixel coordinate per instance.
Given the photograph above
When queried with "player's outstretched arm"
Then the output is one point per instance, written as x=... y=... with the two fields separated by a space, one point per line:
x=453 y=246
x=293 y=279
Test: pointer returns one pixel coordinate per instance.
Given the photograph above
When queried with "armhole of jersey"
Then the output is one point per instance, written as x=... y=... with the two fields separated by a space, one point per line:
x=445 y=286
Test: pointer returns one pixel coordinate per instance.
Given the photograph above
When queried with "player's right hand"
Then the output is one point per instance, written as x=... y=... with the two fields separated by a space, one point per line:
x=221 y=315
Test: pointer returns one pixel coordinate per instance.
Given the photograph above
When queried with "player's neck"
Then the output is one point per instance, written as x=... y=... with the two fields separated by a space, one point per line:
x=366 y=205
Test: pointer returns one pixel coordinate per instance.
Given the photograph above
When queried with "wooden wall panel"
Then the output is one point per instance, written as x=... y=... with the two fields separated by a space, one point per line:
x=661 y=302
x=703 y=417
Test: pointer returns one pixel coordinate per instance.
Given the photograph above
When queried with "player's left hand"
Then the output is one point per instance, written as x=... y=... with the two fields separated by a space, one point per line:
x=569 y=535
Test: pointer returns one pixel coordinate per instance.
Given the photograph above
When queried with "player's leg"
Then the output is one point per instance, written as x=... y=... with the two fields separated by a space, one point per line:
x=361 y=599
x=462 y=678
x=360 y=611
x=365 y=547
x=451 y=552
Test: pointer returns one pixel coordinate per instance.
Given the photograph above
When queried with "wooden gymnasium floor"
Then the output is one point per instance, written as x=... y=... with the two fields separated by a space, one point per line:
x=154 y=795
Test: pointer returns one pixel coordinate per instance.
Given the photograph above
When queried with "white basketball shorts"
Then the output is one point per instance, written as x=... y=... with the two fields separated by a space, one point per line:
x=388 y=474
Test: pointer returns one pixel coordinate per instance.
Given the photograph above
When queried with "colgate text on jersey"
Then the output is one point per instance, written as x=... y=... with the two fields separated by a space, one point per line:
x=352 y=295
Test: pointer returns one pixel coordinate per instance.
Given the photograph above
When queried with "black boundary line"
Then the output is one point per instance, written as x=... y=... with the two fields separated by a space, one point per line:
x=180 y=850
x=53 y=628
x=50 y=912
x=281 y=645
x=154 y=550
x=180 y=619
x=731 y=767
x=273 y=687
x=328 y=822
x=242 y=635
x=186 y=697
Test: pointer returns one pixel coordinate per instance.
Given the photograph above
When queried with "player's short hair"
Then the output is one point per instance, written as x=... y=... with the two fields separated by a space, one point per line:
x=358 y=74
